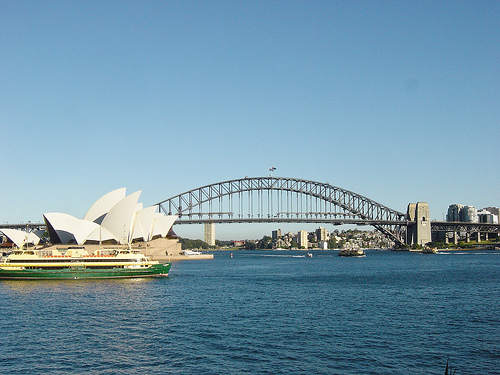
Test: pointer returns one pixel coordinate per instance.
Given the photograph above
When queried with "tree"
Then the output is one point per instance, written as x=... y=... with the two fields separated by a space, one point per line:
x=265 y=243
x=437 y=245
x=249 y=245
x=332 y=243
x=187 y=243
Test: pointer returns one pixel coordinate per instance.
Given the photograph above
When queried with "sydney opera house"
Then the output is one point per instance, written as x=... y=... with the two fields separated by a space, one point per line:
x=114 y=219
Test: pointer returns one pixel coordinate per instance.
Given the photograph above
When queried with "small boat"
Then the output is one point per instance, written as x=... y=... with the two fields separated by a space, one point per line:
x=190 y=252
x=351 y=253
x=77 y=263
x=309 y=255
x=429 y=250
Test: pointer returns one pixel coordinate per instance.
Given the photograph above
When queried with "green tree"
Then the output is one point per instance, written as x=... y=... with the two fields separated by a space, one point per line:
x=265 y=243
x=437 y=245
x=332 y=243
x=250 y=245
x=187 y=243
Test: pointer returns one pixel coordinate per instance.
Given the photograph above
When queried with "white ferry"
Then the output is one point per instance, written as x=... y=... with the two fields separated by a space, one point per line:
x=77 y=263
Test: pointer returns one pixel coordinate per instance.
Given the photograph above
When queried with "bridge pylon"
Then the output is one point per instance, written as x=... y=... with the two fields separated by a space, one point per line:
x=419 y=232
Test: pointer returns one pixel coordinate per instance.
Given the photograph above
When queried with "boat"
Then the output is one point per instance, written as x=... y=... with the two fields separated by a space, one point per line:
x=351 y=253
x=429 y=250
x=191 y=252
x=309 y=255
x=77 y=263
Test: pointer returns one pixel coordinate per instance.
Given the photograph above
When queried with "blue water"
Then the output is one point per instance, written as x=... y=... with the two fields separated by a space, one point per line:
x=263 y=312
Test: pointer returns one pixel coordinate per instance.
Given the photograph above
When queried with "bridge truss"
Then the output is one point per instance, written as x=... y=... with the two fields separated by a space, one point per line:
x=461 y=227
x=279 y=199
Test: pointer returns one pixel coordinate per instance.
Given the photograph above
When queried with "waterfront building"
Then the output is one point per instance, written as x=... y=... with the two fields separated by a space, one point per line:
x=302 y=239
x=321 y=234
x=209 y=234
x=493 y=210
x=323 y=245
x=469 y=214
x=282 y=243
x=276 y=234
x=459 y=212
x=485 y=216
x=454 y=212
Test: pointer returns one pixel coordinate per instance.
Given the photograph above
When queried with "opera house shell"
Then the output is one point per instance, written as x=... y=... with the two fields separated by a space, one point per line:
x=115 y=218
x=20 y=237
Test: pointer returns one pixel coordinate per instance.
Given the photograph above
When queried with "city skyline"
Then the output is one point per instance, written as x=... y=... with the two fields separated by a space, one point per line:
x=455 y=212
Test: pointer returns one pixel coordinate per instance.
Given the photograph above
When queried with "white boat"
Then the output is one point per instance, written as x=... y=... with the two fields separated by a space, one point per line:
x=77 y=263
x=190 y=252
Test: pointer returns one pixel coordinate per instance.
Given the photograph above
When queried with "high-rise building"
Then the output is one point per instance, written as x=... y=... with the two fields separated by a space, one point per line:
x=485 y=216
x=276 y=234
x=302 y=239
x=469 y=214
x=321 y=234
x=454 y=212
x=493 y=210
x=209 y=235
x=458 y=212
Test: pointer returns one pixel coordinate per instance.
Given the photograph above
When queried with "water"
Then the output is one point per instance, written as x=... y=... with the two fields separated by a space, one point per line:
x=263 y=312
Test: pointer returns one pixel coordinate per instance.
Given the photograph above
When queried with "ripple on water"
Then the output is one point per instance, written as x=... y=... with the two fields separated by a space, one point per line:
x=384 y=314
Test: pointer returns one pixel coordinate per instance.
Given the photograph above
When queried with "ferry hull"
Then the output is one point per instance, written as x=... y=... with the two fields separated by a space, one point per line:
x=157 y=270
x=351 y=253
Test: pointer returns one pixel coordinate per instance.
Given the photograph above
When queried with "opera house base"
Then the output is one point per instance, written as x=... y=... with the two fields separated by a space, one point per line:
x=175 y=258
x=164 y=249
x=160 y=249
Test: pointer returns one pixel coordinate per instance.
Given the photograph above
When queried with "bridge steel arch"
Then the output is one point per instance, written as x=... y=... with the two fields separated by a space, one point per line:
x=280 y=199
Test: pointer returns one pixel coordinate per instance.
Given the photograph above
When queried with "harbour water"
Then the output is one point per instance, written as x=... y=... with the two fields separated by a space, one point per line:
x=264 y=312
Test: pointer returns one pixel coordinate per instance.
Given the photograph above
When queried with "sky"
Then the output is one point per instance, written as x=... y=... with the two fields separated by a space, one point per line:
x=398 y=101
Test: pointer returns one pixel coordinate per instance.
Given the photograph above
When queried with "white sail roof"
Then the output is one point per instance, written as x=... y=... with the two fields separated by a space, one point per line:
x=118 y=221
x=114 y=216
x=100 y=234
x=19 y=237
x=104 y=204
x=162 y=224
x=69 y=227
x=143 y=223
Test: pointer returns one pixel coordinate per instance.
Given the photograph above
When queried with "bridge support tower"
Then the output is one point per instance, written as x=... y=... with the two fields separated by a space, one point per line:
x=420 y=232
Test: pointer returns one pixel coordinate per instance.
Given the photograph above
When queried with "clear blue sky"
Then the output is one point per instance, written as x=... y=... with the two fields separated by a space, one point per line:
x=394 y=100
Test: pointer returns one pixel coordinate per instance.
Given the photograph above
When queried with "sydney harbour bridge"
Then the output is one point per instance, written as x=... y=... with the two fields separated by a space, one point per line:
x=292 y=200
